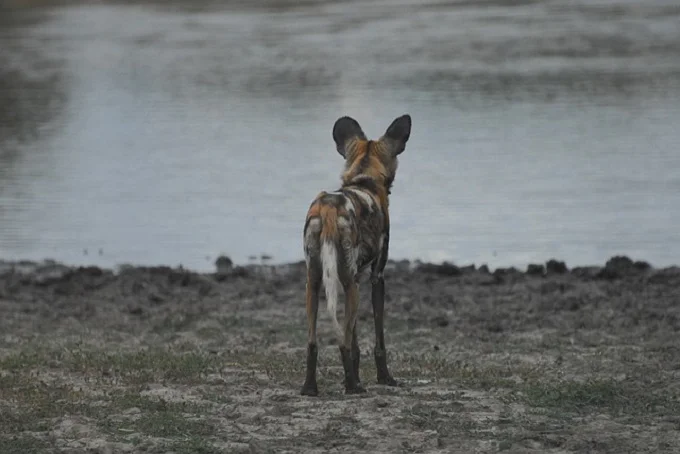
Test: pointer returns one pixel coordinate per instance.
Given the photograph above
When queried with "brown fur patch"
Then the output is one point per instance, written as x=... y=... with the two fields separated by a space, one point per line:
x=314 y=210
x=329 y=220
x=366 y=160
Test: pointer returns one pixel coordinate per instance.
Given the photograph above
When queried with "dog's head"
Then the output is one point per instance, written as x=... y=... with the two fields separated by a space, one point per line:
x=376 y=159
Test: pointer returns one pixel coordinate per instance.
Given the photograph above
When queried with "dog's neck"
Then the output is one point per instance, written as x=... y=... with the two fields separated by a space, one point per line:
x=366 y=170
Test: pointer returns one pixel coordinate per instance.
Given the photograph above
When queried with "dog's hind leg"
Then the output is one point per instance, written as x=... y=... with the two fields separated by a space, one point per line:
x=312 y=299
x=378 y=303
x=347 y=354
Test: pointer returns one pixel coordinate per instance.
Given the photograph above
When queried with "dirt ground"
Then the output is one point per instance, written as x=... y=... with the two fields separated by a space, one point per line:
x=551 y=360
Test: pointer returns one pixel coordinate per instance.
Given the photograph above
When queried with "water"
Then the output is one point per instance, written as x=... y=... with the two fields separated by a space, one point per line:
x=156 y=134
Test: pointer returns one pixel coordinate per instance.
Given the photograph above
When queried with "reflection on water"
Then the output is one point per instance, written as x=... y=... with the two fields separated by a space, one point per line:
x=157 y=133
x=31 y=98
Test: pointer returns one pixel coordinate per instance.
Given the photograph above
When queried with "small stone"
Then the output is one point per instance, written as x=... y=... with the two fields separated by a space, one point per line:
x=535 y=269
x=223 y=264
x=468 y=269
x=616 y=267
x=445 y=269
x=641 y=265
x=498 y=272
x=553 y=266
x=586 y=272
x=441 y=321
x=240 y=271
x=494 y=327
x=132 y=411
x=92 y=271
x=156 y=298
x=403 y=266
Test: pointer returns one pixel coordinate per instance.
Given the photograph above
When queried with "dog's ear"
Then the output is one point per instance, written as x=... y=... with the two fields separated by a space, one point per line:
x=398 y=133
x=346 y=128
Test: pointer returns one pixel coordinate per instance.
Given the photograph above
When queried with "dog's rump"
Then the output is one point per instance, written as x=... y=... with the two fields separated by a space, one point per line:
x=354 y=220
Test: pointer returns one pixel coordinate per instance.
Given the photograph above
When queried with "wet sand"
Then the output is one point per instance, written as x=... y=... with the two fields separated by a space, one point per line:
x=551 y=359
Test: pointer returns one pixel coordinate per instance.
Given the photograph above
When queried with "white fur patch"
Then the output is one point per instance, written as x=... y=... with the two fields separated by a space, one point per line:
x=353 y=256
x=331 y=282
x=349 y=206
x=314 y=225
x=368 y=199
x=313 y=229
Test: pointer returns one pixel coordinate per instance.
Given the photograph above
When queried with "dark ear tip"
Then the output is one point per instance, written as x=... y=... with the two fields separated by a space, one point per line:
x=404 y=120
x=344 y=128
x=407 y=120
x=400 y=128
x=344 y=122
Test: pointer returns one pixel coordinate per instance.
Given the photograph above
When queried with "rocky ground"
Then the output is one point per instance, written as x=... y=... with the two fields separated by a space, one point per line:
x=549 y=359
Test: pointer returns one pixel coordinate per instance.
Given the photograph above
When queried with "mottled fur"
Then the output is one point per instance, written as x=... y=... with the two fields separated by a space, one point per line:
x=345 y=233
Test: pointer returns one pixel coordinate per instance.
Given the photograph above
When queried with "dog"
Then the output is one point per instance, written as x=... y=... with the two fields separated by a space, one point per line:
x=346 y=232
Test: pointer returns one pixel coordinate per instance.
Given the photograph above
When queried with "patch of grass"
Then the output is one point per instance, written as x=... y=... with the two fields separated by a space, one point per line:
x=277 y=366
x=209 y=332
x=445 y=419
x=10 y=380
x=136 y=367
x=290 y=368
x=175 y=322
x=156 y=417
x=504 y=445
x=574 y=396
x=240 y=322
x=191 y=445
x=31 y=406
x=127 y=399
x=172 y=424
x=16 y=421
x=24 y=444
x=215 y=394
x=616 y=398
x=24 y=359
x=281 y=410
x=340 y=431
x=438 y=367
x=147 y=366
x=451 y=398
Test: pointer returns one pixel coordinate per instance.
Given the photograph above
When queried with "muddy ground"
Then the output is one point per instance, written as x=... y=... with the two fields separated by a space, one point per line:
x=166 y=360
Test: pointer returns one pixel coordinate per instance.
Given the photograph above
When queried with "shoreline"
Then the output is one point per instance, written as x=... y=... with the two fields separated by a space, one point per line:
x=615 y=267
x=50 y=272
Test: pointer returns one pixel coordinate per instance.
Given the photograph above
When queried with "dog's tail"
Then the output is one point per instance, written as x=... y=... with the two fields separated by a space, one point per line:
x=329 y=264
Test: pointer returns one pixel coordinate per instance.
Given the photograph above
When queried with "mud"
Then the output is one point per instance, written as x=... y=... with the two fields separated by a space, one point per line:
x=159 y=359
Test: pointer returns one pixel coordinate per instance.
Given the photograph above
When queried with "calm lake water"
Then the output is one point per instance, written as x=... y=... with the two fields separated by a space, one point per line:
x=156 y=134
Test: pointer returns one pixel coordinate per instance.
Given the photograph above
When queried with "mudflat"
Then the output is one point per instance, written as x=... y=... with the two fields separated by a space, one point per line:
x=160 y=359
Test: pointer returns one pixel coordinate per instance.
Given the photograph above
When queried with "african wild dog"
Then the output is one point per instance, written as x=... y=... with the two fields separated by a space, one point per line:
x=345 y=232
